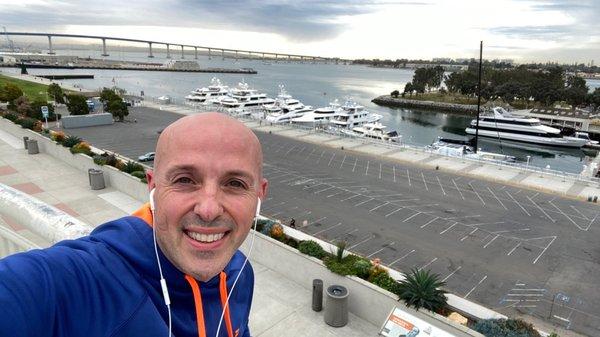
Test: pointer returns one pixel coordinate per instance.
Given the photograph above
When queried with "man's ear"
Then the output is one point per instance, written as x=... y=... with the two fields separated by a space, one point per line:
x=150 y=179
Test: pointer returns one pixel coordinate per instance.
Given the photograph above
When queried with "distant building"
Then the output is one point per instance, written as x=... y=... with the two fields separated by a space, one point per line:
x=181 y=64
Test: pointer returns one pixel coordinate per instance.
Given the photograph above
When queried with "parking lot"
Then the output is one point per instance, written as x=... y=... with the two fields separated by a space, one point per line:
x=508 y=248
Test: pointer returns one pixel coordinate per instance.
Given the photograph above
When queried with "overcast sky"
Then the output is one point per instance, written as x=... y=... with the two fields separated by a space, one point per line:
x=546 y=30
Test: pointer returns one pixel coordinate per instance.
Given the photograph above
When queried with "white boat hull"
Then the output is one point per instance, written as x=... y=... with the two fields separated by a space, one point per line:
x=549 y=141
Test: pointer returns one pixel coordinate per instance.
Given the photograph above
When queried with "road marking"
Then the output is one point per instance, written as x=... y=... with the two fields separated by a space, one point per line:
x=367 y=170
x=492 y=240
x=447 y=229
x=379 y=170
x=385 y=246
x=323 y=190
x=394 y=170
x=469 y=293
x=516 y=202
x=412 y=216
x=314 y=185
x=452 y=273
x=430 y=221
x=371 y=236
x=541 y=209
x=321 y=156
x=355 y=161
x=393 y=212
x=424 y=182
x=458 y=189
x=363 y=202
x=543 y=251
x=439 y=182
x=302 y=149
x=374 y=208
x=310 y=154
x=511 y=230
x=535 y=195
x=344 y=234
x=398 y=259
x=402 y=200
x=320 y=219
x=290 y=150
x=352 y=197
x=466 y=216
x=430 y=262
x=576 y=210
x=514 y=248
x=343 y=160
x=324 y=230
x=408 y=177
x=466 y=236
x=330 y=160
x=501 y=203
x=477 y=194
x=566 y=216
x=340 y=192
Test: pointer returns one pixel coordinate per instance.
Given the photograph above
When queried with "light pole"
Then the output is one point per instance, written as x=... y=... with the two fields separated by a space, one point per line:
x=527 y=166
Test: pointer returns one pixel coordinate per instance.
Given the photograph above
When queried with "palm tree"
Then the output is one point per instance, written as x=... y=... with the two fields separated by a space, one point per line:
x=421 y=289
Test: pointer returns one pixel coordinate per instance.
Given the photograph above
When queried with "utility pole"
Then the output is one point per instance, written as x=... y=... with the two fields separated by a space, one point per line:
x=478 y=94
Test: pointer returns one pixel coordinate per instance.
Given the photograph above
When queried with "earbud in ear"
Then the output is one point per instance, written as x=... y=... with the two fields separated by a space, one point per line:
x=152 y=200
x=258 y=208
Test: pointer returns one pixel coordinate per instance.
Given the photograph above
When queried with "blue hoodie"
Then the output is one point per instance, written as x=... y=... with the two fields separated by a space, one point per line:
x=107 y=284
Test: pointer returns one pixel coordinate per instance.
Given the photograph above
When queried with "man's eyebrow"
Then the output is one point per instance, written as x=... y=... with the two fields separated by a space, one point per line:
x=240 y=173
x=180 y=168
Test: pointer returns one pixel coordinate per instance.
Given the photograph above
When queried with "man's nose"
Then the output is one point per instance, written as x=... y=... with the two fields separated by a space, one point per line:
x=208 y=206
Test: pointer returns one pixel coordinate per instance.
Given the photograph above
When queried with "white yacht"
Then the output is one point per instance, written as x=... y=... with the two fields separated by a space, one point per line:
x=377 y=131
x=503 y=125
x=214 y=91
x=285 y=108
x=462 y=148
x=353 y=115
x=320 y=115
x=245 y=98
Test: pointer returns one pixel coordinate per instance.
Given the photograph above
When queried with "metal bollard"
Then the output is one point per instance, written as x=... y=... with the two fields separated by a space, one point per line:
x=25 y=138
x=96 y=178
x=317 y=295
x=336 y=306
x=32 y=146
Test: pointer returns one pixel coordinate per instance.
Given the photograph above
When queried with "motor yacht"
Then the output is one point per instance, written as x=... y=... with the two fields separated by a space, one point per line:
x=244 y=97
x=502 y=125
x=320 y=115
x=463 y=148
x=285 y=108
x=377 y=131
x=214 y=91
x=352 y=115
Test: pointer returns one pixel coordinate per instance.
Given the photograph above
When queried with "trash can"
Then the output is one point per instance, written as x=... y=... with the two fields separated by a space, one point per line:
x=32 y=146
x=25 y=138
x=317 y=295
x=96 y=178
x=336 y=306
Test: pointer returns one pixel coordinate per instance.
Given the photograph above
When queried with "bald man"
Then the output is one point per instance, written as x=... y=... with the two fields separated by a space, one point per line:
x=205 y=190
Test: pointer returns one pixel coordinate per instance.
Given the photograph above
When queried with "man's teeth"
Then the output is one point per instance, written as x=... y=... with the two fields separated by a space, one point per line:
x=205 y=237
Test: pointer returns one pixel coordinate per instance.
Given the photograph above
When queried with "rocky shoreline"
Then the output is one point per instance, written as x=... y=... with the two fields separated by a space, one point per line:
x=389 y=101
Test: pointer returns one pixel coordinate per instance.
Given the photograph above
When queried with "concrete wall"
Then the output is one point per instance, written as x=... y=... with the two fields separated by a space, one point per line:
x=70 y=122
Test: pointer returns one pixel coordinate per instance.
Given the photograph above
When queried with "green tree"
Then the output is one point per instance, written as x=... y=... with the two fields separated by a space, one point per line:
x=9 y=93
x=108 y=95
x=576 y=91
x=408 y=88
x=118 y=109
x=594 y=99
x=22 y=105
x=395 y=93
x=56 y=92
x=36 y=110
x=421 y=289
x=76 y=104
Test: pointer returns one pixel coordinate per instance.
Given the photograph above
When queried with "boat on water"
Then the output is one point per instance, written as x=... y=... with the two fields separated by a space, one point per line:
x=501 y=124
x=377 y=130
x=208 y=94
x=319 y=116
x=352 y=115
x=285 y=108
x=242 y=97
x=464 y=148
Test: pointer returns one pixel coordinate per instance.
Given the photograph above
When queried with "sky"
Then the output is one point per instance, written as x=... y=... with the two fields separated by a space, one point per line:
x=565 y=31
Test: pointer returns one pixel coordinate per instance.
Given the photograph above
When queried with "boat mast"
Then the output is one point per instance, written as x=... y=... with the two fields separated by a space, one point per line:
x=478 y=94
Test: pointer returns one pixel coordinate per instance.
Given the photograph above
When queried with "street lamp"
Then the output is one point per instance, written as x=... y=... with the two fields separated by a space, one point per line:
x=527 y=166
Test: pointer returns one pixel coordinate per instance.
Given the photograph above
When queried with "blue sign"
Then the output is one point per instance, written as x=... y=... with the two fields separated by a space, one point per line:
x=45 y=111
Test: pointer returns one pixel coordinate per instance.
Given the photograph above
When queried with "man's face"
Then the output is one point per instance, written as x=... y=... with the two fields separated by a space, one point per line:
x=207 y=184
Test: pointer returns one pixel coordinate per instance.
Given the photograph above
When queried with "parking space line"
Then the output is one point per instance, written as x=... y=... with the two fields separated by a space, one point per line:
x=321 y=156
x=311 y=186
x=424 y=182
x=374 y=208
x=367 y=169
x=345 y=234
x=400 y=258
x=439 y=182
x=410 y=217
x=447 y=229
x=394 y=170
x=514 y=248
x=290 y=150
x=519 y=204
x=325 y=230
x=310 y=154
x=343 y=160
x=355 y=161
x=477 y=194
x=379 y=170
x=402 y=200
x=458 y=189
x=566 y=216
x=371 y=236
x=501 y=203
x=492 y=240
x=330 y=160
x=430 y=221
x=331 y=195
x=466 y=216
x=466 y=236
x=430 y=262
x=393 y=212
x=323 y=190
x=541 y=209
x=320 y=219
x=385 y=246
x=363 y=202
x=352 y=197
x=543 y=251
x=302 y=149
x=576 y=210
x=408 y=177
x=452 y=273
x=469 y=293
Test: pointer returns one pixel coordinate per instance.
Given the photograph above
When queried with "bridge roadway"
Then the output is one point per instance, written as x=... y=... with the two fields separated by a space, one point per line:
x=511 y=249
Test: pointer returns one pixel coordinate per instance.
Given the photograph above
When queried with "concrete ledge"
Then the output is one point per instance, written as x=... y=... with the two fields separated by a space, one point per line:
x=71 y=122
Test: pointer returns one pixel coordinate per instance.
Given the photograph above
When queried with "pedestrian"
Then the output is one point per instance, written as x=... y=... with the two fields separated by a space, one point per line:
x=293 y=223
x=166 y=270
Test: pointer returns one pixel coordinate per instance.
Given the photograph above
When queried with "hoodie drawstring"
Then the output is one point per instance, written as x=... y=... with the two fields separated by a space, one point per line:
x=199 y=308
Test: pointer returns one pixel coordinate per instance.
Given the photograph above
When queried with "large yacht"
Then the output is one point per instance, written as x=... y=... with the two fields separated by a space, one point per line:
x=285 y=108
x=243 y=97
x=353 y=115
x=377 y=131
x=214 y=91
x=502 y=125
x=320 y=115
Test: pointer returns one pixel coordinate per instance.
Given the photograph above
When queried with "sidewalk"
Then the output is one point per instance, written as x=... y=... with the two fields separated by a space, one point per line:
x=280 y=306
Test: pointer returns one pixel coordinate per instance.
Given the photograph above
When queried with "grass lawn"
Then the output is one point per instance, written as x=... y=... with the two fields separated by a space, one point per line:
x=30 y=89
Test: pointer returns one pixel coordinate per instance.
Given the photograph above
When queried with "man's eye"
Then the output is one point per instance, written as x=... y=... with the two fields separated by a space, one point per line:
x=236 y=184
x=183 y=180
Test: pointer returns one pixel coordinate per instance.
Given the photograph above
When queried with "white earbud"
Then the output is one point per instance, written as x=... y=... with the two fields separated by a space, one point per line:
x=258 y=208
x=152 y=200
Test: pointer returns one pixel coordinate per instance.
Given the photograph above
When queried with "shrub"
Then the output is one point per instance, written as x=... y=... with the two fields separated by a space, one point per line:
x=99 y=160
x=82 y=147
x=362 y=268
x=57 y=136
x=26 y=123
x=421 y=289
x=505 y=328
x=343 y=267
x=291 y=242
x=131 y=166
x=37 y=126
x=77 y=105
x=11 y=116
x=311 y=248
x=385 y=281
x=120 y=165
x=341 y=247
x=71 y=141
x=139 y=174
x=266 y=226
x=277 y=232
x=111 y=159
